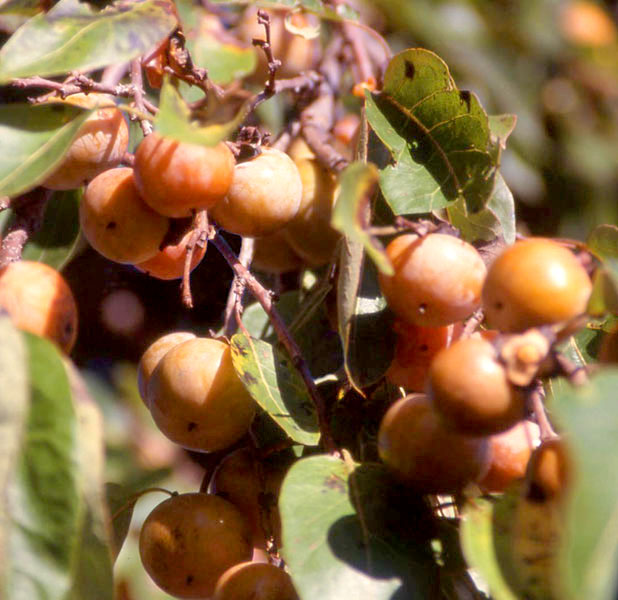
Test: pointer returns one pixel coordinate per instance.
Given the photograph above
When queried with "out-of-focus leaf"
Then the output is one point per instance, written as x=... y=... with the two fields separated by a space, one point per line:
x=326 y=548
x=604 y=296
x=603 y=241
x=364 y=320
x=589 y=415
x=495 y=220
x=73 y=36
x=353 y=199
x=225 y=59
x=14 y=402
x=34 y=140
x=318 y=7
x=274 y=383
x=173 y=120
x=438 y=136
x=22 y=8
x=477 y=539
x=56 y=241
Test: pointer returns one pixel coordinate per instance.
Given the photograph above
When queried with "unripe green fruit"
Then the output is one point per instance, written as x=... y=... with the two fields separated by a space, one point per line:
x=438 y=279
x=470 y=390
x=117 y=222
x=196 y=398
x=534 y=282
x=264 y=196
x=153 y=355
x=415 y=445
x=188 y=541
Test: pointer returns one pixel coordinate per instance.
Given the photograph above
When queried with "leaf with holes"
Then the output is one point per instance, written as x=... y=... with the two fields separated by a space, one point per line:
x=34 y=140
x=438 y=136
x=73 y=36
x=274 y=383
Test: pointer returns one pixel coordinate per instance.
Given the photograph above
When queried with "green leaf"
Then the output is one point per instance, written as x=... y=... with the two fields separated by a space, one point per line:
x=34 y=140
x=323 y=541
x=603 y=241
x=364 y=320
x=477 y=540
x=55 y=519
x=23 y=8
x=226 y=61
x=349 y=215
x=173 y=120
x=501 y=127
x=318 y=343
x=55 y=243
x=274 y=383
x=438 y=136
x=497 y=219
x=121 y=506
x=589 y=415
x=74 y=36
x=14 y=404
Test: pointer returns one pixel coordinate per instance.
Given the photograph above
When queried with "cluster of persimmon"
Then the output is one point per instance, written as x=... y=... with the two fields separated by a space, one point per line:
x=466 y=419
x=199 y=544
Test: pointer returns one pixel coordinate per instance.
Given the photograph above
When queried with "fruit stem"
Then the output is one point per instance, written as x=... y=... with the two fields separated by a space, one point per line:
x=137 y=81
x=199 y=237
x=265 y=298
x=535 y=400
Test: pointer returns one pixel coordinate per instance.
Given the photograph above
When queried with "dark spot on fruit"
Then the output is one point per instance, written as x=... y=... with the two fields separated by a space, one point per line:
x=536 y=493
x=422 y=308
x=423 y=347
x=465 y=97
x=410 y=70
x=498 y=305
x=111 y=225
x=191 y=426
x=189 y=579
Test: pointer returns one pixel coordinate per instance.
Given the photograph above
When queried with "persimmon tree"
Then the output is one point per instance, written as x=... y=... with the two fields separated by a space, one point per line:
x=405 y=395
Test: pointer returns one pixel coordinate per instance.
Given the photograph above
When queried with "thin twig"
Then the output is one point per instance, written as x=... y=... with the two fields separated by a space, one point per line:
x=199 y=237
x=29 y=210
x=264 y=297
x=237 y=289
x=359 y=49
x=78 y=84
x=472 y=324
x=535 y=400
x=137 y=80
x=576 y=374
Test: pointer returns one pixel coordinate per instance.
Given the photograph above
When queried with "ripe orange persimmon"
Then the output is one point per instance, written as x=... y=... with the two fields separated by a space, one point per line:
x=169 y=262
x=175 y=178
x=437 y=281
x=265 y=195
x=195 y=397
x=534 y=282
x=273 y=254
x=415 y=445
x=550 y=471
x=470 y=390
x=99 y=145
x=154 y=353
x=255 y=581
x=39 y=300
x=189 y=540
x=416 y=347
x=310 y=233
x=510 y=453
x=117 y=222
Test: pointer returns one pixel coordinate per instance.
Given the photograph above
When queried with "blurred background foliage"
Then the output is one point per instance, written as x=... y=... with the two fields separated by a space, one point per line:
x=553 y=63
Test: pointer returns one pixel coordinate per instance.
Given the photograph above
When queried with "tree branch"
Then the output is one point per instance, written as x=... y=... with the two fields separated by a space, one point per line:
x=29 y=210
x=237 y=289
x=137 y=81
x=264 y=297
x=199 y=237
